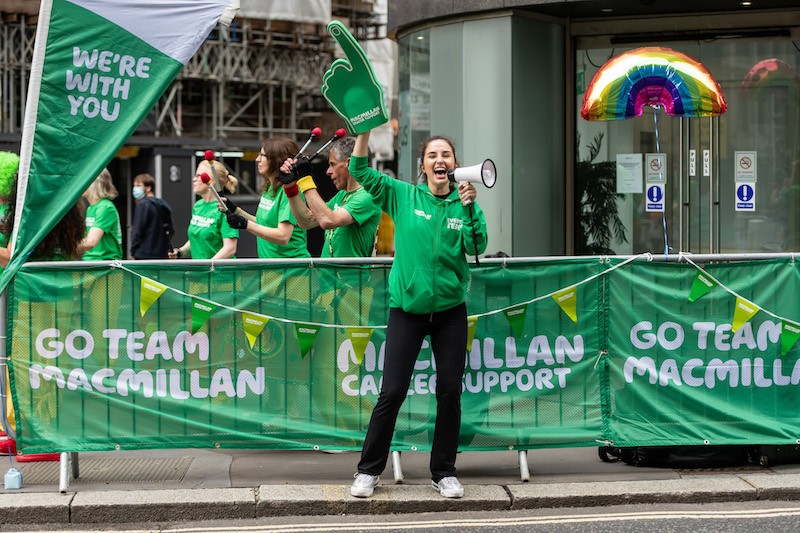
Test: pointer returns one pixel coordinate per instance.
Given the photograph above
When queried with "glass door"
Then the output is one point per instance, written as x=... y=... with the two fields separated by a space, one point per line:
x=729 y=184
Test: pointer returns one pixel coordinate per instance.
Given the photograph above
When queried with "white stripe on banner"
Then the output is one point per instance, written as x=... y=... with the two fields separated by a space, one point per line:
x=31 y=112
x=196 y=20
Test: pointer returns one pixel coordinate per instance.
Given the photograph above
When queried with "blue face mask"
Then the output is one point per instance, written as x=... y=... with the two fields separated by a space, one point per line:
x=138 y=192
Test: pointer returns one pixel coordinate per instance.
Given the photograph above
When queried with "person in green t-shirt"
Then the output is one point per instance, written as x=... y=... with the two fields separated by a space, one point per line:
x=103 y=240
x=274 y=224
x=350 y=219
x=210 y=235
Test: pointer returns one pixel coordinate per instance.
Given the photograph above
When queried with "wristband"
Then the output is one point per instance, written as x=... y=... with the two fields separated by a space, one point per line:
x=178 y=252
x=291 y=190
x=306 y=183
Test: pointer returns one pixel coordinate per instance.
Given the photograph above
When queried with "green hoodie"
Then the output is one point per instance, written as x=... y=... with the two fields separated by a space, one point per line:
x=430 y=271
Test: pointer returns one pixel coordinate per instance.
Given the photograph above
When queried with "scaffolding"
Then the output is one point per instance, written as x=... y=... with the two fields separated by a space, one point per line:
x=251 y=80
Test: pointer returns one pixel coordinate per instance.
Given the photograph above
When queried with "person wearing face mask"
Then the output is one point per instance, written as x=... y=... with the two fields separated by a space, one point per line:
x=152 y=221
x=434 y=228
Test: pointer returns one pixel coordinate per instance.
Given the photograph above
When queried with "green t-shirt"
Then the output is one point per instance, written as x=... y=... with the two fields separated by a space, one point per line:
x=357 y=239
x=207 y=229
x=104 y=215
x=272 y=210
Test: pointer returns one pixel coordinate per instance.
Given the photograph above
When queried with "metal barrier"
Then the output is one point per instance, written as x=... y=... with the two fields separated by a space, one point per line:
x=287 y=354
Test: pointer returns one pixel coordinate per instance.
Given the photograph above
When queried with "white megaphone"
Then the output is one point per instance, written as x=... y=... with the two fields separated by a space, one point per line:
x=485 y=173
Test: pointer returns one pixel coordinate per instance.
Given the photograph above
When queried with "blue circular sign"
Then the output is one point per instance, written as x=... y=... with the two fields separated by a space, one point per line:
x=655 y=193
x=745 y=192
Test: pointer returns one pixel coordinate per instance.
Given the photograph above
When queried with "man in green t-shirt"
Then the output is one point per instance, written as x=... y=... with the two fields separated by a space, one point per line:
x=350 y=219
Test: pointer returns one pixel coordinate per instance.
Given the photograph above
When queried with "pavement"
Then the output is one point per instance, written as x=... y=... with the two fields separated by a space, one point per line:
x=157 y=486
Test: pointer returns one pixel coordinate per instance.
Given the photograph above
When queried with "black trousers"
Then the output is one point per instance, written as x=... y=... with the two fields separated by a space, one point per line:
x=404 y=335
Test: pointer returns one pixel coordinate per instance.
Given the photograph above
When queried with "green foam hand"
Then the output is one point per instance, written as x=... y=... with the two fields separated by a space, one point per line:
x=350 y=85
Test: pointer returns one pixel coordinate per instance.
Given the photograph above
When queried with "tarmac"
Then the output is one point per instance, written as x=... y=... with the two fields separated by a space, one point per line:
x=157 y=486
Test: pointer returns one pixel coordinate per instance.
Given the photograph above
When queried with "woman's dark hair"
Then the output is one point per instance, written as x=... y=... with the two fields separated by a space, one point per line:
x=62 y=239
x=423 y=147
x=277 y=150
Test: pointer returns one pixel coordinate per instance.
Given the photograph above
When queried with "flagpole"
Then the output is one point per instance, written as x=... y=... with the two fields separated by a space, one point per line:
x=31 y=113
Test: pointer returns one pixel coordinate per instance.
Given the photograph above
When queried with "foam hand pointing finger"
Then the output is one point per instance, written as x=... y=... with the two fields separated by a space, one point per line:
x=350 y=85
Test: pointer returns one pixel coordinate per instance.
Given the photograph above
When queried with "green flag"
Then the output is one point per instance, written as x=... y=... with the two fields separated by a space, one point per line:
x=253 y=325
x=201 y=310
x=472 y=325
x=98 y=67
x=350 y=85
x=306 y=334
x=790 y=332
x=567 y=300
x=701 y=285
x=151 y=291
x=359 y=337
x=516 y=317
x=744 y=311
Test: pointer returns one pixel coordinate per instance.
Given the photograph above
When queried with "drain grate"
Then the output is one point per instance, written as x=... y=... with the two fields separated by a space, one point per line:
x=100 y=470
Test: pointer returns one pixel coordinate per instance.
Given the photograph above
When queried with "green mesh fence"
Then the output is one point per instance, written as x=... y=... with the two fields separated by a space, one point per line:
x=89 y=372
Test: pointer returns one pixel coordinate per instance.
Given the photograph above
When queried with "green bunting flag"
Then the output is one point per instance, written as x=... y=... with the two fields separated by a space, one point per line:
x=201 y=310
x=151 y=291
x=744 y=311
x=701 y=285
x=306 y=333
x=567 y=300
x=253 y=325
x=472 y=325
x=516 y=317
x=359 y=337
x=789 y=335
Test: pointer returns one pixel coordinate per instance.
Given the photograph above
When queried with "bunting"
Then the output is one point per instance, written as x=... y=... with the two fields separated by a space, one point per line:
x=306 y=334
x=359 y=337
x=567 y=300
x=253 y=325
x=151 y=291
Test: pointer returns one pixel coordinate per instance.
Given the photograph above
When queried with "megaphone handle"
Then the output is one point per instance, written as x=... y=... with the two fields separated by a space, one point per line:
x=474 y=235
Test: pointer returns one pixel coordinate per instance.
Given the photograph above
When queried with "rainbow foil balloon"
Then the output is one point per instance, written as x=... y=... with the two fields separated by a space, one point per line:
x=654 y=76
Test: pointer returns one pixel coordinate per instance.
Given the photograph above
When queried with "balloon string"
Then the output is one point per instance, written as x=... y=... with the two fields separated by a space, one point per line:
x=661 y=180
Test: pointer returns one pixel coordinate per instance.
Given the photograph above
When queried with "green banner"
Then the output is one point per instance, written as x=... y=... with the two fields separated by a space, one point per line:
x=90 y=372
x=681 y=373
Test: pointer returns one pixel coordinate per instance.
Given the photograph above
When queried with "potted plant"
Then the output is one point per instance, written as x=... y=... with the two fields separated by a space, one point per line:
x=595 y=200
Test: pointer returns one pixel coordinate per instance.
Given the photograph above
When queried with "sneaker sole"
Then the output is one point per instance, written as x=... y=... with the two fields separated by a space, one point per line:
x=361 y=494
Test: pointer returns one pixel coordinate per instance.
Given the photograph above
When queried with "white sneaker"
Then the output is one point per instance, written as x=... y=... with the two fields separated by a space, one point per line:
x=364 y=485
x=449 y=487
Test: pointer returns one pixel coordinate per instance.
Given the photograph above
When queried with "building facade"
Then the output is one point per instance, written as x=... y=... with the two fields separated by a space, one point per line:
x=506 y=79
x=258 y=78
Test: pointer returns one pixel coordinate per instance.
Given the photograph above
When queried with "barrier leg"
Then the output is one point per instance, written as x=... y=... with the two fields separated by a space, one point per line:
x=524 y=472
x=76 y=471
x=63 y=472
x=397 y=469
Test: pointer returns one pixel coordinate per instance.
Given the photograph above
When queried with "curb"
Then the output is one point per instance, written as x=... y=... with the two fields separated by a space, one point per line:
x=143 y=506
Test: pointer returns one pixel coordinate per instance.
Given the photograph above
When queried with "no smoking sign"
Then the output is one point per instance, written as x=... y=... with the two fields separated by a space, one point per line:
x=745 y=166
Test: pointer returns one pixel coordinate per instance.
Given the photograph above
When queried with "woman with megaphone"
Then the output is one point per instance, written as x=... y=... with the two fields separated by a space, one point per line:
x=436 y=223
